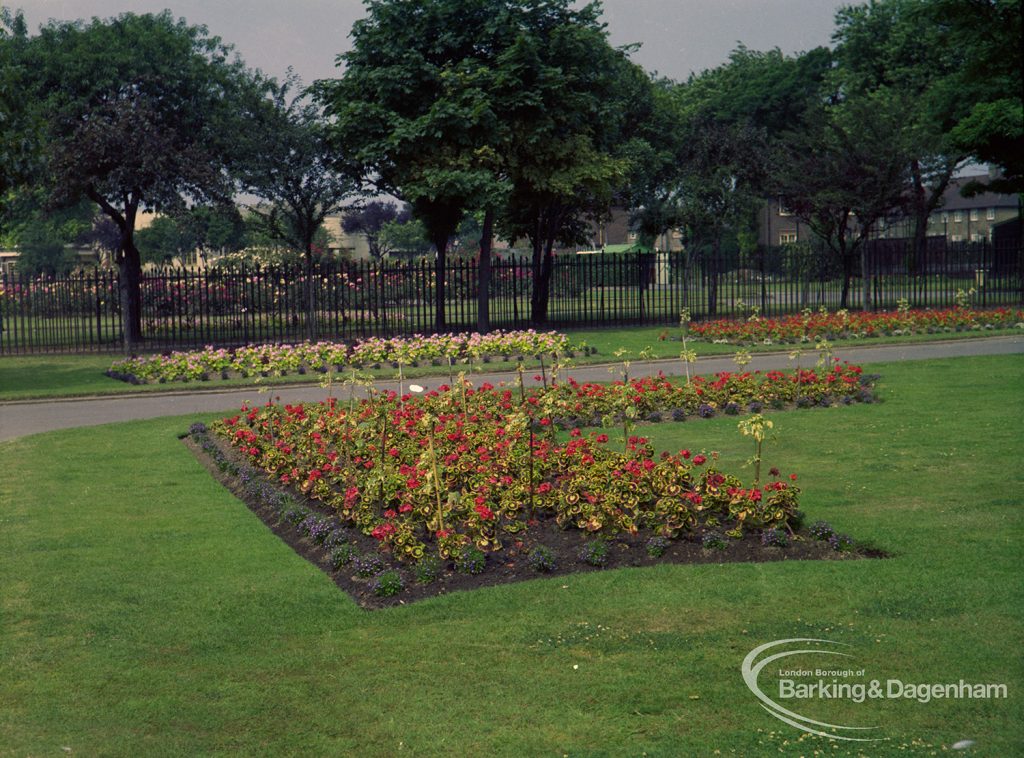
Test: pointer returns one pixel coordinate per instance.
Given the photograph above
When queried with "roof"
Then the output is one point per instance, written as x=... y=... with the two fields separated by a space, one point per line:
x=952 y=200
x=634 y=247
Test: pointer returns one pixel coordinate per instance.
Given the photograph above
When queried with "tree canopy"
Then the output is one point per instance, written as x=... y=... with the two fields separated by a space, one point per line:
x=137 y=111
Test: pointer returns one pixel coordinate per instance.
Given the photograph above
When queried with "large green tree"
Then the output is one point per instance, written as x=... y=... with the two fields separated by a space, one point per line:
x=892 y=52
x=511 y=108
x=414 y=114
x=15 y=133
x=988 y=80
x=137 y=111
x=576 y=107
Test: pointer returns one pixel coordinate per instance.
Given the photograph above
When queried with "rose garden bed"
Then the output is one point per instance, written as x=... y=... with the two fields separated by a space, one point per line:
x=404 y=497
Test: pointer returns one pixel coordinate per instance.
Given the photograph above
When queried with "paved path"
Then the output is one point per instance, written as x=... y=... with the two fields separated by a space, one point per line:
x=29 y=417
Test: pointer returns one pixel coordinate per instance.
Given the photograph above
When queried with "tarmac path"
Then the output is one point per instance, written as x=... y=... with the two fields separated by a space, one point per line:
x=20 y=418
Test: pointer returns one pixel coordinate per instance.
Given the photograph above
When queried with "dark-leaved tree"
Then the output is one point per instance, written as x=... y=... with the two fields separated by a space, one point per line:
x=137 y=111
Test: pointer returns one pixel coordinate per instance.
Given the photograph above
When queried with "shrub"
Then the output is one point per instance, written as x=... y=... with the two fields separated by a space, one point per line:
x=388 y=584
x=595 y=553
x=731 y=409
x=471 y=561
x=713 y=541
x=755 y=406
x=368 y=565
x=336 y=538
x=841 y=543
x=774 y=537
x=542 y=559
x=342 y=555
x=656 y=546
x=804 y=402
x=705 y=410
x=295 y=514
x=428 y=570
x=821 y=530
x=679 y=414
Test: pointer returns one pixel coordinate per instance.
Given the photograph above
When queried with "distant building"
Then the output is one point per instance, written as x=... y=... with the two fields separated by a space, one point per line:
x=971 y=219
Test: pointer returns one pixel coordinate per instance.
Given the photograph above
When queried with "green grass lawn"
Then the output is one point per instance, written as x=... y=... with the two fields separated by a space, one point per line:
x=145 y=611
x=51 y=375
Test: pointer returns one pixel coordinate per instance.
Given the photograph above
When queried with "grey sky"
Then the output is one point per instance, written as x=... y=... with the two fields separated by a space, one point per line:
x=678 y=36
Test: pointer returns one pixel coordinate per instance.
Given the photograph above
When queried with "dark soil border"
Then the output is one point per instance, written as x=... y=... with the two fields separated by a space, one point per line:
x=509 y=565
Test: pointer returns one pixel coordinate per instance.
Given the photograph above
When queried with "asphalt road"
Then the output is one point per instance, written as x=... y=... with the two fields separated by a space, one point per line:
x=21 y=418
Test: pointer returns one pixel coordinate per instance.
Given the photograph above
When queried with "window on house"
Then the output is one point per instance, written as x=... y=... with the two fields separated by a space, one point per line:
x=677 y=234
x=990 y=214
x=783 y=211
x=632 y=235
x=787 y=238
x=977 y=237
x=974 y=215
x=958 y=216
x=956 y=238
x=945 y=217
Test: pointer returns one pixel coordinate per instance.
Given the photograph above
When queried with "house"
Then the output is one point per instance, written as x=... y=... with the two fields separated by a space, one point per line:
x=971 y=219
x=957 y=219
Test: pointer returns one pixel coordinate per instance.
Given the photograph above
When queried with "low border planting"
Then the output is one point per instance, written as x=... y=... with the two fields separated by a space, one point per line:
x=811 y=326
x=322 y=357
x=472 y=479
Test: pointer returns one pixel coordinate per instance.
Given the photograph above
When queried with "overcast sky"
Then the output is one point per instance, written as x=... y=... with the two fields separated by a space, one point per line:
x=678 y=37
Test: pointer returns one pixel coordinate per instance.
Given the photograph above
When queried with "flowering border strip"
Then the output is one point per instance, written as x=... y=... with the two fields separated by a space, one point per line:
x=266 y=360
x=811 y=326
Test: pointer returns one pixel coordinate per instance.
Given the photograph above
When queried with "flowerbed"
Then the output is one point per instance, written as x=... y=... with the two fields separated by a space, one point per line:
x=468 y=481
x=811 y=326
x=256 y=360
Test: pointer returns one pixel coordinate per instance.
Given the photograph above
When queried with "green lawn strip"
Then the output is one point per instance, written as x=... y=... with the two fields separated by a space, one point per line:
x=147 y=612
x=47 y=376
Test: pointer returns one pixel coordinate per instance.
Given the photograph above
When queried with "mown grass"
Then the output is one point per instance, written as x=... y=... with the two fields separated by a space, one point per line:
x=49 y=375
x=147 y=612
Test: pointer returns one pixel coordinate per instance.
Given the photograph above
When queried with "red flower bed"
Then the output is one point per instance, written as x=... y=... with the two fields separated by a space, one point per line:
x=810 y=326
x=461 y=468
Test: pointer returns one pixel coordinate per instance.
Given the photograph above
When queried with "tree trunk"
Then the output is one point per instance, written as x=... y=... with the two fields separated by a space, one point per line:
x=712 y=274
x=847 y=259
x=546 y=270
x=309 y=292
x=483 y=292
x=129 y=266
x=535 y=264
x=440 y=262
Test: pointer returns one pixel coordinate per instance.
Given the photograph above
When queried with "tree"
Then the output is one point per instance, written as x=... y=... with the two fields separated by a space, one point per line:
x=575 y=107
x=370 y=220
x=503 y=107
x=988 y=81
x=414 y=113
x=16 y=129
x=164 y=240
x=842 y=173
x=292 y=168
x=408 y=237
x=890 y=50
x=138 y=111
